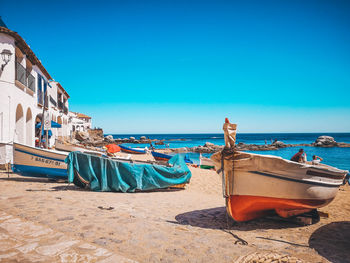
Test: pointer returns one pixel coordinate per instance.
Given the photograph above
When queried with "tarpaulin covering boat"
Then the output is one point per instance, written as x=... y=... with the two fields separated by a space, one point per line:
x=103 y=174
x=255 y=184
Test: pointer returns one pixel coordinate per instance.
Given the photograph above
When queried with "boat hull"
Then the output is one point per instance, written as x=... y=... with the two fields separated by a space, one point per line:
x=35 y=162
x=68 y=147
x=255 y=185
x=131 y=150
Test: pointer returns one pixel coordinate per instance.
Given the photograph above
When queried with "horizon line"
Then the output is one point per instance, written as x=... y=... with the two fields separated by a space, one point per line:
x=222 y=133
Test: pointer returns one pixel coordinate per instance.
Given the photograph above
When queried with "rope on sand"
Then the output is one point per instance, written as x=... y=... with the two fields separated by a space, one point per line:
x=258 y=257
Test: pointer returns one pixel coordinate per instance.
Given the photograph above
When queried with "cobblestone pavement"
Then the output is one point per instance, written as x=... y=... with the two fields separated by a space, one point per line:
x=26 y=241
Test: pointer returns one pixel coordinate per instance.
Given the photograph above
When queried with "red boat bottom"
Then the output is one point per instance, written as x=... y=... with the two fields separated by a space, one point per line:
x=246 y=207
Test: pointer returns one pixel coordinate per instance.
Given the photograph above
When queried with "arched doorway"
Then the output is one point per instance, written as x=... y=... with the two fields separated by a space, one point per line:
x=19 y=126
x=29 y=128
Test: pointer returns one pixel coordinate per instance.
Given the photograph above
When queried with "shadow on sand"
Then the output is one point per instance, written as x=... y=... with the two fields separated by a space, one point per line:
x=332 y=241
x=72 y=187
x=28 y=179
x=217 y=218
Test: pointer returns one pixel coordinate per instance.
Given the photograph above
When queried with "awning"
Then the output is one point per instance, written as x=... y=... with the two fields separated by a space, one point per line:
x=43 y=132
x=53 y=125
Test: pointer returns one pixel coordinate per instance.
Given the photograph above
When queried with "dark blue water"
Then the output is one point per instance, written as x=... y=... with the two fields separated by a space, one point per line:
x=335 y=156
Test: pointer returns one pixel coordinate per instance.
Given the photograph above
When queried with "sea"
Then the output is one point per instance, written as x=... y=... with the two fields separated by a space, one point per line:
x=334 y=156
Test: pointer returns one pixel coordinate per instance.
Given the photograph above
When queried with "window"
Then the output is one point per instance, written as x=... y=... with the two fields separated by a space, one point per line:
x=40 y=92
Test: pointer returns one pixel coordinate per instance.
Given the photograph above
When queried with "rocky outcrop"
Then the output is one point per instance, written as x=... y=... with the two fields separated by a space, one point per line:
x=328 y=141
x=212 y=148
x=82 y=136
x=325 y=141
x=96 y=133
x=279 y=144
x=109 y=139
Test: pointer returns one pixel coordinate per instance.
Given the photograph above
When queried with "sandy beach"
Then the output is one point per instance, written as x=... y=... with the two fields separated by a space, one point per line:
x=48 y=221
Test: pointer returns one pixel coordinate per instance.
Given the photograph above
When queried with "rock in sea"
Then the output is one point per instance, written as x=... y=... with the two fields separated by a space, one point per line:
x=325 y=141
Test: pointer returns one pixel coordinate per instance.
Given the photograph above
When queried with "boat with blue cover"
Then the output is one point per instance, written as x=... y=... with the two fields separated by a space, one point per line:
x=165 y=157
x=104 y=174
x=132 y=150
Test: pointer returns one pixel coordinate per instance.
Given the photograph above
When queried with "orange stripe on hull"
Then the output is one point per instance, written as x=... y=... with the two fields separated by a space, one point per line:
x=245 y=207
x=161 y=159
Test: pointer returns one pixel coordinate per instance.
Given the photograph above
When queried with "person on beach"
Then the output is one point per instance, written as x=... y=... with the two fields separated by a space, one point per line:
x=299 y=157
x=316 y=159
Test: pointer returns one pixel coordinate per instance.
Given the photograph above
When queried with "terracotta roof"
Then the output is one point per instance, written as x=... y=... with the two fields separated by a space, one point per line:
x=80 y=115
x=23 y=46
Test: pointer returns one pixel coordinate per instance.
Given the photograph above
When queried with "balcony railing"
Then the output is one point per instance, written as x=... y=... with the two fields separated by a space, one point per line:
x=31 y=81
x=25 y=77
x=60 y=105
x=53 y=101
x=21 y=75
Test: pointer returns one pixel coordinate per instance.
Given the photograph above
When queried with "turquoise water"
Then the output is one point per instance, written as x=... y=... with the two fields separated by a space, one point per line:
x=335 y=156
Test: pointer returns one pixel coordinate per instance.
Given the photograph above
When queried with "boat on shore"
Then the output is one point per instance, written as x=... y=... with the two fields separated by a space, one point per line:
x=37 y=162
x=255 y=184
x=67 y=147
x=206 y=163
x=103 y=174
x=165 y=157
x=132 y=150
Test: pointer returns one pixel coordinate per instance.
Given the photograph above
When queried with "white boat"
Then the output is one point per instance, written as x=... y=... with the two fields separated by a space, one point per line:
x=65 y=147
x=255 y=184
x=205 y=163
x=37 y=162
x=59 y=145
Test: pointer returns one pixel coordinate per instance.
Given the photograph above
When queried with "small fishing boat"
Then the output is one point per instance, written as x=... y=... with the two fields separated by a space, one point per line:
x=132 y=150
x=37 y=162
x=205 y=163
x=165 y=157
x=103 y=174
x=67 y=147
x=255 y=184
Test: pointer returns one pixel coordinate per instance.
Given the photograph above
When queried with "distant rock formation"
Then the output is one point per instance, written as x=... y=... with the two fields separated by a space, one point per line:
x=95 y=138
x=325 y=141
x=109 y=139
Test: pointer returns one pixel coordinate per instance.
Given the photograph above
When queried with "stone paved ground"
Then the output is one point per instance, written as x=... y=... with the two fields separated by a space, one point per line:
x=25 y=241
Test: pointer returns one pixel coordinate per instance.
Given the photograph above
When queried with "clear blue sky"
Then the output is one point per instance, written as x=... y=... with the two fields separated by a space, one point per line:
x=183 y=66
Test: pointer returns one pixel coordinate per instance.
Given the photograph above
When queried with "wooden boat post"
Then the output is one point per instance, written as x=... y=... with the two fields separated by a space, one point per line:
x=230 y=131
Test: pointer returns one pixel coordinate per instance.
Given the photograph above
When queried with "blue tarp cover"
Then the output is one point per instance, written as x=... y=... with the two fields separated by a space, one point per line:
x=110 y=175
x=53 y=125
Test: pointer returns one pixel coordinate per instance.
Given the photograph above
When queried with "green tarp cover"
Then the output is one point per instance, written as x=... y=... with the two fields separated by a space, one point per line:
x=110 y=175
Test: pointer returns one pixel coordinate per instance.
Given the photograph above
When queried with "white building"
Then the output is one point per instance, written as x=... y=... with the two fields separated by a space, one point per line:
x=79 y=121
x=23 y=83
